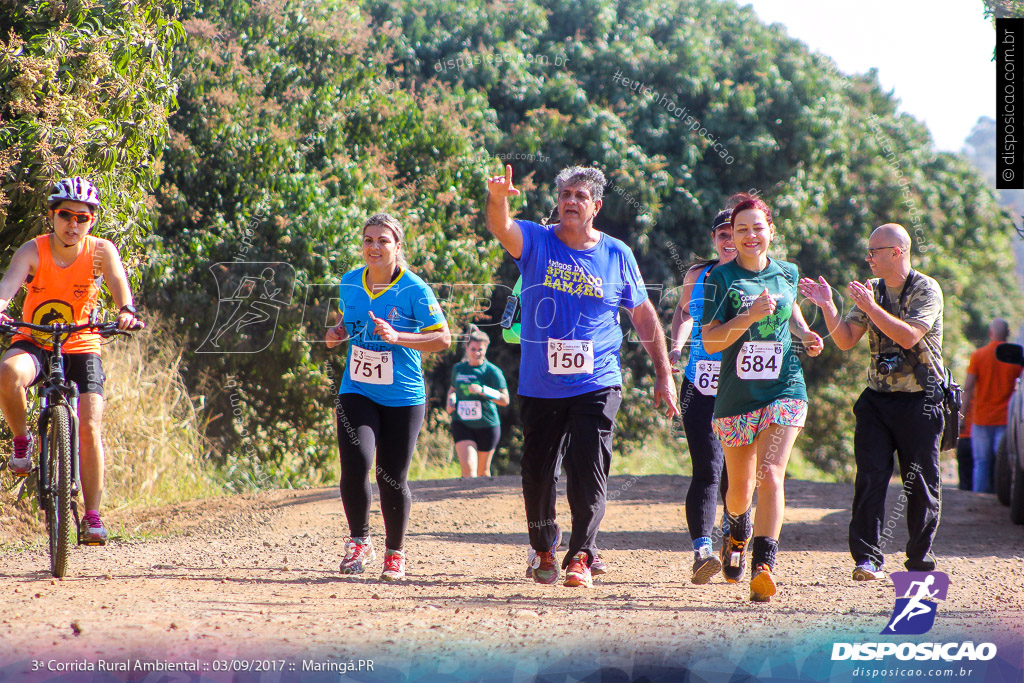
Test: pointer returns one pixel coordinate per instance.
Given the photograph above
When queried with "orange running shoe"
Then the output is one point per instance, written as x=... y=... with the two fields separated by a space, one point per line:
x=762 y=585
x=578 y=572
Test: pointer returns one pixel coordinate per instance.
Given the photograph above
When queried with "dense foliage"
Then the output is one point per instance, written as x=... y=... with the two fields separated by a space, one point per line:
x=85 y=89
x=296 y=119
x=289 y=133
x=683 y=103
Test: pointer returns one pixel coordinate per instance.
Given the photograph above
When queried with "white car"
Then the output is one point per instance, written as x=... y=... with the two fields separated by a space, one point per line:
x=1008 y=472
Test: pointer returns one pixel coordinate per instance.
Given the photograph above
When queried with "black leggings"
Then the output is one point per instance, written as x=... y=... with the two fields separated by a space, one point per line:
x=707 y=457
x=365 y=426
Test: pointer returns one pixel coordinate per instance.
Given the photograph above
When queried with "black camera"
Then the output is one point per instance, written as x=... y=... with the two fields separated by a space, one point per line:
x=888 y=363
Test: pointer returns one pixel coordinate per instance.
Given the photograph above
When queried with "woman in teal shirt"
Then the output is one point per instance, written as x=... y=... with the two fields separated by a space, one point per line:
x=477 y=389
x=761 y=404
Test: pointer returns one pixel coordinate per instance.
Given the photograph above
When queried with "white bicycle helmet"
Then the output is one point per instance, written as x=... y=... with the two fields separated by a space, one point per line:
x=75 y=189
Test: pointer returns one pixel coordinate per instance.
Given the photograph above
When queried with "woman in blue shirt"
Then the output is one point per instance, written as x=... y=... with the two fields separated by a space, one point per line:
x=388 y=315
x=697 y=402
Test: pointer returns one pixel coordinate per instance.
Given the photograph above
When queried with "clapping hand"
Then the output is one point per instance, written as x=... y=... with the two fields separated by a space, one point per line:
x=819 y=293
x=863 y=295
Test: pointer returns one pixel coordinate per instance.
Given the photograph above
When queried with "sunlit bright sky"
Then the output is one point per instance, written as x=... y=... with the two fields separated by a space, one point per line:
x=936 y=56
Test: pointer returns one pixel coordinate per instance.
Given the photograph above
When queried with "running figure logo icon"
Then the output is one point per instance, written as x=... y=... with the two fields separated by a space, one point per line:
x=914 y=613
x=250 y=299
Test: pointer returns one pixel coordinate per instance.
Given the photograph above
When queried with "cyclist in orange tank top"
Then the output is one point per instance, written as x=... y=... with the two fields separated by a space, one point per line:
x=64 y=270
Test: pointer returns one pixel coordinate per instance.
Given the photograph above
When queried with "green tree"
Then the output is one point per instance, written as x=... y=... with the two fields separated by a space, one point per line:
x=289 y=133
x=1003 y=9
x=685 y=102
x=85 y=89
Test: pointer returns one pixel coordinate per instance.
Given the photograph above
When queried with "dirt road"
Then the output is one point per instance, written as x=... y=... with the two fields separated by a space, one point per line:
x=255 y=577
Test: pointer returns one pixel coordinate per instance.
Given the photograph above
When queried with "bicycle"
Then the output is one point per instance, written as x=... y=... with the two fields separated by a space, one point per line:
x=57 y=424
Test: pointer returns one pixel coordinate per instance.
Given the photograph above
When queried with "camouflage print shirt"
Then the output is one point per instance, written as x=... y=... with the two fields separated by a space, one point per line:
x=922 y=307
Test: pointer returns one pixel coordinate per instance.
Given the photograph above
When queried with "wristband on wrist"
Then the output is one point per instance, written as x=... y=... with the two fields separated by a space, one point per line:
x=490 y=393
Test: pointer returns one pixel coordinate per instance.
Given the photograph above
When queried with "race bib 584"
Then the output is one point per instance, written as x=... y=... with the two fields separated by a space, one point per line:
x=759 y=360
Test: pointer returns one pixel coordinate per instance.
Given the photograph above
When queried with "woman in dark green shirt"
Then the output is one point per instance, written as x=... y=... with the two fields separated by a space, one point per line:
x=762 y=403
x=477 y=389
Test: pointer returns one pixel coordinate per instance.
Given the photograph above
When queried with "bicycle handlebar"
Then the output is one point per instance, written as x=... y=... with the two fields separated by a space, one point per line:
x=108 y=329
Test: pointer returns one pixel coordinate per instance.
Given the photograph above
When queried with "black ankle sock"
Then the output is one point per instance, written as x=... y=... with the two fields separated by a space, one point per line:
x=739 y=526
x=763 y=551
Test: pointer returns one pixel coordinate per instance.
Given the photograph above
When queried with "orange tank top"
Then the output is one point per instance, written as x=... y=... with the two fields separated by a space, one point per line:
x=63 y=295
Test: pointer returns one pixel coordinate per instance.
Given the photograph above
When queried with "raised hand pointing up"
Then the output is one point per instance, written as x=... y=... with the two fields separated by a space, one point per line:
x=499 y=221
x=501 y=186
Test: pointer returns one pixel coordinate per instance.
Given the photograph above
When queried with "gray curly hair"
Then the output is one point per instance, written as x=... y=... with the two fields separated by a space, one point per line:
x=588 y=176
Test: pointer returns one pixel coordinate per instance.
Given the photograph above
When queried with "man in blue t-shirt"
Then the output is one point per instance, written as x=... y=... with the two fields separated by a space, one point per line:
x=575 y=278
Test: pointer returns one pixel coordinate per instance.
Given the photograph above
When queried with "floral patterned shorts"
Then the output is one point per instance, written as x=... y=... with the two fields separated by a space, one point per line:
x=741 y=430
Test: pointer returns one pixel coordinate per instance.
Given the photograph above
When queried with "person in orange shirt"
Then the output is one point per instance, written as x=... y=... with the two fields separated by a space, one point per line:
x=987 y=391
x=64 y=270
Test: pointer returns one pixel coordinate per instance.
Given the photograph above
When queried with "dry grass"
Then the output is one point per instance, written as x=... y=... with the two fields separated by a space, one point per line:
x=153 y=434
x=434 y=457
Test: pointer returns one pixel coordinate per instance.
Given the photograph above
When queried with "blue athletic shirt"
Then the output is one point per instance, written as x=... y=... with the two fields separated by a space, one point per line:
x=573 y=294
x=697 y=350
x=409 y=305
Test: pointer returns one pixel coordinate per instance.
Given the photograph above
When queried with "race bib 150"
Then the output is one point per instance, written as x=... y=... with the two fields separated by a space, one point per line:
x=570 y=357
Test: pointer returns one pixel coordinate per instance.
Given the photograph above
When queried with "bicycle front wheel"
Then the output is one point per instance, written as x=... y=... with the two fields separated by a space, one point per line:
x=59 y=523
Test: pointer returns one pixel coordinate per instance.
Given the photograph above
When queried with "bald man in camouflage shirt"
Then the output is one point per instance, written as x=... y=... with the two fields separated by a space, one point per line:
x=901 y=310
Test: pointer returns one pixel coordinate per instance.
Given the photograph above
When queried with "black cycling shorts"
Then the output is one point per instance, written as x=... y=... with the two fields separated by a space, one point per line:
x=486 y=438
x=84 y=369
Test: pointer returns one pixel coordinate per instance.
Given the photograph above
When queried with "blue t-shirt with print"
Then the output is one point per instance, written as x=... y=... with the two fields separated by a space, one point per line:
x=573 y=294
x=409 y=305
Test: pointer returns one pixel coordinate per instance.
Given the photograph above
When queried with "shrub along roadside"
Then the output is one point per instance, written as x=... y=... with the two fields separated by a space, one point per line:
x=153 y=439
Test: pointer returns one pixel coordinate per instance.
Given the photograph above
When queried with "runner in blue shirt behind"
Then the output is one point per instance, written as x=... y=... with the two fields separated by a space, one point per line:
x=389 y=315
x=699 y=385
x=575 y=278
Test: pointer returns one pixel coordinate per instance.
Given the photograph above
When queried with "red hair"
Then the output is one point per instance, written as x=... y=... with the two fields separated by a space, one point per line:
x=744 y=202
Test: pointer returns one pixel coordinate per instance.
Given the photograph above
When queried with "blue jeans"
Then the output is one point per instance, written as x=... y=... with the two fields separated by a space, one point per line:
x=983 y=447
